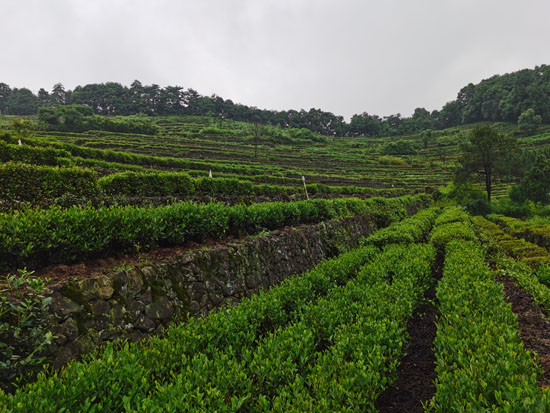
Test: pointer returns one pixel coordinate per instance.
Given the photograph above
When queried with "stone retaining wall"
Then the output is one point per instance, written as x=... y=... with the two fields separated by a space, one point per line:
x=134 y=303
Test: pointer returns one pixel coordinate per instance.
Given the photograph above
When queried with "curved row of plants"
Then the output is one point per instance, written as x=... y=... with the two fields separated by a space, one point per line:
x=136 y=159
x=532 y=254
x=534 y=279
x=33 y=183
x=341 y=353
x=40 y=237
x=122 y=377
x=481 y=363
x=536 y=230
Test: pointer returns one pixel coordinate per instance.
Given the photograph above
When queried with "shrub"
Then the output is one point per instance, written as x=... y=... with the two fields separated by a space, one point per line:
x=24 y=320
x=24 y=182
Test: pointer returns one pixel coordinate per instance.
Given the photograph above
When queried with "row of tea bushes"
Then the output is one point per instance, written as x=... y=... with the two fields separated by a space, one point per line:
x=79 y=182
x=481 y=363
x=27 y=182
x=341 y=353
x=453 y=223
x=534 y=279
x=407 y=231
x=34 y=238
x=122 y=378
x=149 y=160
x=33 y=155
x=518 y=248
x=536 y=233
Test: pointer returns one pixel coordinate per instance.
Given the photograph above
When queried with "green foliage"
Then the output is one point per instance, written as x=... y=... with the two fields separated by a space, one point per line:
x=519 y=248
x=77 y=118
x=320 y=325
x=360 y=324
x=23 y=182
x=452 y=224
x=487 y=155
x=24 y=334
x=528 y=122
x=219 y=186
x=392 y=160
x=406 y=231
x=535 y=186
x=481 y=362
x=147 y=184
x=85 y=384
x=400 y=147
x=40 y=237
x=31 y=154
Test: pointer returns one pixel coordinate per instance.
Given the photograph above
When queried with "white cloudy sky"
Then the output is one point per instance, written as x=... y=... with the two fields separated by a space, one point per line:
x=344 y=56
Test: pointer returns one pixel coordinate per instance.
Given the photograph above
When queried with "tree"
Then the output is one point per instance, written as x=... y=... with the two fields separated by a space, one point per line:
x=487 y=155
x=22 y=102
x=44 y=98
x=528 y=122
x=536 y=184
x=5 y=95
x=58 y=95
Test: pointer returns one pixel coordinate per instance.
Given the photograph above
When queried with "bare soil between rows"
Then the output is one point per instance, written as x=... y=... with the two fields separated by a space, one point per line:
x=534 y=326
x=416 y=373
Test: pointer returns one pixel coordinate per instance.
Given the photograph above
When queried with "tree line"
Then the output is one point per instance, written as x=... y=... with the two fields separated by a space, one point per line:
x=499 y=98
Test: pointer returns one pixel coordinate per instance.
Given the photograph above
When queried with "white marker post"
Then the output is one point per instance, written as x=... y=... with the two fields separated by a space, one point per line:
x=305 y=188
x=210 y=173
x=20 y=144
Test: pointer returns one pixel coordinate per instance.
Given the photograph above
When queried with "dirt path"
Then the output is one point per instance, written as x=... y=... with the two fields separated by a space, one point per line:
x=416 y=373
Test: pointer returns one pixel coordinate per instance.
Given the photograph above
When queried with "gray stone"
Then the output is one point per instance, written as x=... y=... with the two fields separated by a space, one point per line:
x=145 y=324
x=70 y=329
x=100 y=307
x=63 y=306
x=135 y=282
x=101 y=287
x=160 y=309
x=135 y=307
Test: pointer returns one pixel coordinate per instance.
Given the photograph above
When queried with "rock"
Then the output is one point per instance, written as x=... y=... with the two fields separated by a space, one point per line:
x=63 y=356
x=135 y=282
x=117 y=314
x=135 y=308
x=101 y=287
x=100 y=307
x=63 y=306
x=145 y=325
x=69 y=329
x=160 y=309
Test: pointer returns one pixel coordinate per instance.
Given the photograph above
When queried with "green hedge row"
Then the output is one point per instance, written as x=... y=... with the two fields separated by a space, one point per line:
x=537 y=234
x=25 y=182
x=341 y=354
x=518 y=248
x=34 y=238
x=406 y=231
x=536 y=282
x=81 y=385
x=147 y=184
x=153 y=161
x=122 y=379
x=481 y=363
x=151 y=184
x=32 y=154
x=452 y=224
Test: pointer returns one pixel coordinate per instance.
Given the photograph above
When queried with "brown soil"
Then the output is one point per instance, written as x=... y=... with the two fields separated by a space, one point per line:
x=416 y=373
x=534 y=326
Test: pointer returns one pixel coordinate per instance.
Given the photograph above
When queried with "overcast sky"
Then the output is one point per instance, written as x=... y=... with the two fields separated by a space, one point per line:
x=344 y=56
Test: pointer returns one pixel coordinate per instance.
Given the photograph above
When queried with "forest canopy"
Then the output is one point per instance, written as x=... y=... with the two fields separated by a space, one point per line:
x=499 y=98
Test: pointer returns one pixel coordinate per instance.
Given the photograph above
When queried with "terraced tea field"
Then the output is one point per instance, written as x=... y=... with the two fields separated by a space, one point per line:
x=366 y=297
